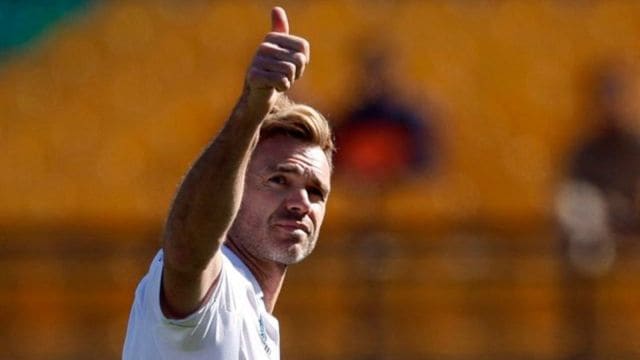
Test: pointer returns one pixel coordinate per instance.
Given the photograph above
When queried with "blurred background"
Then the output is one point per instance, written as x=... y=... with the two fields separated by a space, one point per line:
x=485 y=201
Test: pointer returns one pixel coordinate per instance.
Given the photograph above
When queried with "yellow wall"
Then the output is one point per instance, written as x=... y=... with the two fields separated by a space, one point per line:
x=100 y=120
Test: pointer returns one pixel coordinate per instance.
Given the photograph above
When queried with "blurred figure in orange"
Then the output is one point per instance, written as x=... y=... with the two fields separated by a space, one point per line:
x=383 y=138
x=597 y=206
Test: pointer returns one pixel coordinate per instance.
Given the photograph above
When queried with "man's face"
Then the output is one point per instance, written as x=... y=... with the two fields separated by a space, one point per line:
x=286 y=189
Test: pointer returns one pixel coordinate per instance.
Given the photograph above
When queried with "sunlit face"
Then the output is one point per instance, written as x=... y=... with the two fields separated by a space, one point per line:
x=284 y=201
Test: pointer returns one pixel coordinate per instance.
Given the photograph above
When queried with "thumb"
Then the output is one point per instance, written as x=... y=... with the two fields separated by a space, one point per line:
x=279 y=22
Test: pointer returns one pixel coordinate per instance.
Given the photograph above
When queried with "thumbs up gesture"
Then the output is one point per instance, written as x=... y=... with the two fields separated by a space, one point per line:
x=279 y=61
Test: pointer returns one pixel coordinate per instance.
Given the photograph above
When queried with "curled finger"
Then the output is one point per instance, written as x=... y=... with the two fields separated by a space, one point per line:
x=284 y=68
x=290 y=42
x=259 y=78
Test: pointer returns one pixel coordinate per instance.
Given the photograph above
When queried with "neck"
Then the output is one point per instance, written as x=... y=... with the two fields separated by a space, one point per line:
x=269 y=274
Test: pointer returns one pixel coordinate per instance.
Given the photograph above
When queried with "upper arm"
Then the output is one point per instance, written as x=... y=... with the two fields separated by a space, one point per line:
x=183 y=292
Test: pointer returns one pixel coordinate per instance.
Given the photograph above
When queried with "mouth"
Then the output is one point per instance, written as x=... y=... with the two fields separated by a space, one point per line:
x=293 y=226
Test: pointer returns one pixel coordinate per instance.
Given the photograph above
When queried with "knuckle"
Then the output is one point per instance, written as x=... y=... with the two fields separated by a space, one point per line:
x=300 y=58
x=273 y=35
x=284 y=83
x=264 y=47
x=306 y=46
x=291 y=68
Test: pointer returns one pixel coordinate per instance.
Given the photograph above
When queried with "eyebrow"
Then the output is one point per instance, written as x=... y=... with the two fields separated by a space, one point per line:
x=299 y=170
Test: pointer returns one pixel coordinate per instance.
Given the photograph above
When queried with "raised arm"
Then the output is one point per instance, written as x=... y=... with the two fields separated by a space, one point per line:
x=210 y=195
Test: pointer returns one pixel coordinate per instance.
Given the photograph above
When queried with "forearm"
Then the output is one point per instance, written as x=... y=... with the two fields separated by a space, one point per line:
x=210 y=194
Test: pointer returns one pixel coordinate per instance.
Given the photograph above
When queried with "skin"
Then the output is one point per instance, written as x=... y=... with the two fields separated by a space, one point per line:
x=210 y=197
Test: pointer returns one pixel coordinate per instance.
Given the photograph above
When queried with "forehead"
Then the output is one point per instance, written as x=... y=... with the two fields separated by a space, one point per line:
x=279 y=150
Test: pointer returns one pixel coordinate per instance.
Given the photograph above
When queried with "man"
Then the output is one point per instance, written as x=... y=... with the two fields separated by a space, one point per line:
x=252 y=204
x=597 y=206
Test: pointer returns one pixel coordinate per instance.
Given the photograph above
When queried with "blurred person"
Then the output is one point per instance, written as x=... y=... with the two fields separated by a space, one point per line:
x=251 y=205
x=597 y=205
x=383 y=138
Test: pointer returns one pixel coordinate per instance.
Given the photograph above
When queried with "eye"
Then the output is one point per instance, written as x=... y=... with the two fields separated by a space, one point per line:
x=278 y=179
x=315 y=192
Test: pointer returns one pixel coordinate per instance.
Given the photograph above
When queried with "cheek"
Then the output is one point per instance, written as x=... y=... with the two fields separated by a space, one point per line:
x=319 y=212
x=257 y=205
x=248 y=219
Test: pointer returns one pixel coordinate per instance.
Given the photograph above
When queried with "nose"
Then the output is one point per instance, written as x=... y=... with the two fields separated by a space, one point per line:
x=298 y=202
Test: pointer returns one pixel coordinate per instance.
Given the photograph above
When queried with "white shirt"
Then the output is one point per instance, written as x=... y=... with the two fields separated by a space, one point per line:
x=232 y=324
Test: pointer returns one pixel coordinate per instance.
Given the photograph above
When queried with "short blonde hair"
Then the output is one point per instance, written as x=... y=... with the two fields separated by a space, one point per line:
x=301 y=122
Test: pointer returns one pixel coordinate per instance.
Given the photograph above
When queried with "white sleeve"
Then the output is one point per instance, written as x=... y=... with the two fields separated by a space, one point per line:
x=151 y=335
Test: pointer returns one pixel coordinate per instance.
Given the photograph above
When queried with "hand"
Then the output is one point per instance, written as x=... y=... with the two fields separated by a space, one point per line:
x=279 y=61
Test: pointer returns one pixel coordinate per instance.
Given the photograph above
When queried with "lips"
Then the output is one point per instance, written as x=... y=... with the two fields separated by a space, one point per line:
x=292 y=226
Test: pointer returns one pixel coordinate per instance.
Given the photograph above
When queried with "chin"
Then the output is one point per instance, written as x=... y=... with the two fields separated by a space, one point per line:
x=292 y=255
x=291 y=248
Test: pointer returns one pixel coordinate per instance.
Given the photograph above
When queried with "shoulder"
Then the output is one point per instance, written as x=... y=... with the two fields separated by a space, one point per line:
x=230 y=293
